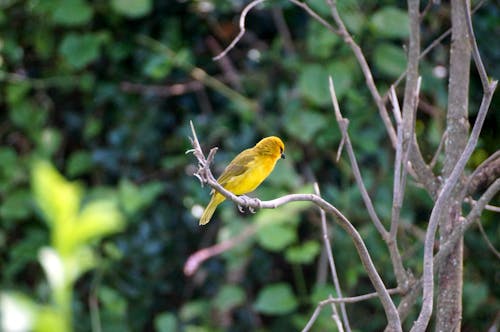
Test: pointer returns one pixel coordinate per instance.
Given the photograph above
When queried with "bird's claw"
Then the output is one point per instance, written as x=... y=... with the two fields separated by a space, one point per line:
x=248 y=201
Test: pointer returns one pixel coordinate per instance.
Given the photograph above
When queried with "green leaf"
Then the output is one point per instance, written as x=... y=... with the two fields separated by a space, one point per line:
x=72 y=12
x=194 y=309
x=28 y=116
x=133 y=198
x=132 y=8
x=228 y=297
x=303 y=254
x=58 y=199
x=80 y=50
x=320 y=41
x=16 y=205
x=79 y=162
x=165 y=322
x=390 y=22
x=49 y=141
x=157 y=67
x=15 y=92
x=276 y=299
x=390 y=60
x=303 y=124
x=97 y=219
x=342 y=73
x=112 y=301
x=313 y=84
x=476 y=294
x=276 y=237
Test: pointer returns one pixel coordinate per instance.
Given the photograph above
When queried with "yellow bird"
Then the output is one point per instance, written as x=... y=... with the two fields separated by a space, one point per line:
x=246 y=171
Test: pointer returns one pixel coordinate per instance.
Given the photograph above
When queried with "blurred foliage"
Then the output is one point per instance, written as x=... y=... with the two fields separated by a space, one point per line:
x=106 y=89
x=73 y=228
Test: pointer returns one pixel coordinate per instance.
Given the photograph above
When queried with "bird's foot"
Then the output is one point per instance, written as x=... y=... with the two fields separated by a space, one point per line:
x=248 y=202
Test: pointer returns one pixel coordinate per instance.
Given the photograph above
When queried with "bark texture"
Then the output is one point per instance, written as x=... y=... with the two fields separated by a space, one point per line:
x=449 y=299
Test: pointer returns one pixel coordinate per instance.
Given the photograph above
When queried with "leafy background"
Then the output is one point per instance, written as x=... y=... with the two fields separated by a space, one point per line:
x=105 y=91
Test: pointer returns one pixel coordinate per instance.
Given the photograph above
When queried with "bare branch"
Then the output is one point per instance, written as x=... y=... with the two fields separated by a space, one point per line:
x=397 y=199
x=342 y=122
x=475 y=50
x=446 y=191
x=353 y=299
x=242 y=28
x=365 y=68
x=333 y=270
x=445 y=249
x=487 y=240
x=205 y=173
x=314 y=15
x=487 y=172
x=438 y=150
x=397 y=261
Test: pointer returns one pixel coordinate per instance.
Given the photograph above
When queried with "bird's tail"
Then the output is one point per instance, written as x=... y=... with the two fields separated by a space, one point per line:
x=210 y=209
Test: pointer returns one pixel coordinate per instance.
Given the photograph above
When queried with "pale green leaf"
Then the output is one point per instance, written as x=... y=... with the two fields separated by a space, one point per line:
x=132 y=8
x=390 y=22
x=276 y=299
x=228 y=297
x=390 y=60
x=166 y=322
x=72 y=12
x=58 y=199
x=276 y=237
x=303 y=253
x=79 y=50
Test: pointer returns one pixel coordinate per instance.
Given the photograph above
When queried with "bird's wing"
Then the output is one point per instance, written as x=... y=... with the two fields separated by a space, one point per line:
x=238 y=166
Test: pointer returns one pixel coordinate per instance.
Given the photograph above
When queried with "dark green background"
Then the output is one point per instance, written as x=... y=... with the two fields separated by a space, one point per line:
x=91 y=85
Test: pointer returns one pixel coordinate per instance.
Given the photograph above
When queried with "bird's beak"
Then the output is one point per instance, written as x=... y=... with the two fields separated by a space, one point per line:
x=283 y=156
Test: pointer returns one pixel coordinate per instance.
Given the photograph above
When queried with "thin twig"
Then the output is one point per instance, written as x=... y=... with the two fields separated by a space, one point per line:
x=331 y=261
x=365 y=68
x=206 y=175
x=314 y=15
x=342 y=122
x=432 y=164
x=352 y=299
x=487 y=240
x=397 y=199
x=475 y=49
x=242 y=28
x=488 y=168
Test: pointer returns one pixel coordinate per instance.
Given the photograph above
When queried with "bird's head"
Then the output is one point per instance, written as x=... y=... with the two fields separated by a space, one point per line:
x=272 y=146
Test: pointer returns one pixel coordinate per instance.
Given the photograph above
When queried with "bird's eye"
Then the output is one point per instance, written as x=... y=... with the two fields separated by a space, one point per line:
x=281 y=149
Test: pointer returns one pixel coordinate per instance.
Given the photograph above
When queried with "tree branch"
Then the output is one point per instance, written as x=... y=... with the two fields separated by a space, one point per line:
x=331 y=261
x=242 y=28
x=353 y=299
x=365 y=68
x=445 y=249
x=484 y=174
x=205 y=176
x=444 y=195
